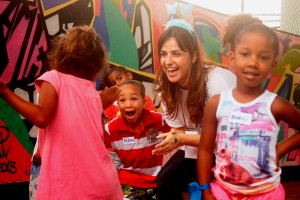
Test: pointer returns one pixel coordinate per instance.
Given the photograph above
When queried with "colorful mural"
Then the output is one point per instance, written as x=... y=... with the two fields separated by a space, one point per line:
x=130 y=30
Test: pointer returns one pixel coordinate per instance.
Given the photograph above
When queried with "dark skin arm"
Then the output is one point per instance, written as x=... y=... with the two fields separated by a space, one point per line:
x=109 y=95
x=287 y=145
x=41 y=114
x=207 y=144
x=285 y=111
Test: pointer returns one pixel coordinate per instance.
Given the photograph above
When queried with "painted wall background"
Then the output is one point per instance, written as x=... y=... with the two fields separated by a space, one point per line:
x=130 y=30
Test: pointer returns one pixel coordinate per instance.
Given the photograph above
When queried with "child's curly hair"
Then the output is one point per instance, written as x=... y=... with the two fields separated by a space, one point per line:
x=233 y=25
x=80 y=52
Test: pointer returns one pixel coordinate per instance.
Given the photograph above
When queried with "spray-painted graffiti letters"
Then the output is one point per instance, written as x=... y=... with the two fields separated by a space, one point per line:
x=4 y=135
x=9 y=165
x=24 y=36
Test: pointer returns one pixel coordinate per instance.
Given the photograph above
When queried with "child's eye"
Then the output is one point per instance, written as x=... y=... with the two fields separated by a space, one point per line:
x=121 y=100
x=265 y=58
x=244 y=54
x=134 y=99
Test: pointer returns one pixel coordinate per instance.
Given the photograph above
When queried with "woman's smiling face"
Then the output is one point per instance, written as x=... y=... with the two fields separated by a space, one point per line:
x=175 y=62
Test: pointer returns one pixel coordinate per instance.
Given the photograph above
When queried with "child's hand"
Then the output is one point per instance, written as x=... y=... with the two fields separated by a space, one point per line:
x=109 y=95
x=169 y=143
x=278 y=156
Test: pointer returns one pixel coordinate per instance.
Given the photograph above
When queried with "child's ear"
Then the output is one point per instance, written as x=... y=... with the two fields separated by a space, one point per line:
x=231 y=59
x=144 y=102
x=274 y=64
x=230 y=56
x=129 y=75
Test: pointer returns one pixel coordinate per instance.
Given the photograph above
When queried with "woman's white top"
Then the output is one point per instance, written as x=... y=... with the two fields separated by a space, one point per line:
x=219 y=79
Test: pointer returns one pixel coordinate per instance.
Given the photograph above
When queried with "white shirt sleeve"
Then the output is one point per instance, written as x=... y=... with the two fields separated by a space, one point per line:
x=219 y=80
x=172 y=122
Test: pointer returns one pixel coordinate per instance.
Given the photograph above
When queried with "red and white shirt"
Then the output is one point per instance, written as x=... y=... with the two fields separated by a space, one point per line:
x=139 y=167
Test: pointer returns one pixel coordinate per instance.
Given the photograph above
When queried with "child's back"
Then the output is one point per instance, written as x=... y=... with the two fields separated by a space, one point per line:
x=75 y=163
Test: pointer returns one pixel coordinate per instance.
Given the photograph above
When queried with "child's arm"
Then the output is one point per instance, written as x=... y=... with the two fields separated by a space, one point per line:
x=207 y=144
x=285 y=111
x=287 y=145
x=41 y=114
x=109 y=95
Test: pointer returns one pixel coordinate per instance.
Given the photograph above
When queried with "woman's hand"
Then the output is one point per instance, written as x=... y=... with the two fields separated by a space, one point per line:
x=171 y=141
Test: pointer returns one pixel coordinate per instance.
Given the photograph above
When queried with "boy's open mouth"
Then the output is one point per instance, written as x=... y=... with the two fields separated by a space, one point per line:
x=130 y=113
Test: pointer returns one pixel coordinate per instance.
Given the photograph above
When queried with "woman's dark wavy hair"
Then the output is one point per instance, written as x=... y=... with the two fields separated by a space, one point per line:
x=196 y=85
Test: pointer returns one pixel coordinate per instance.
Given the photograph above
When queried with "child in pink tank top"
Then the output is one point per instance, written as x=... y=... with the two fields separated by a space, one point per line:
x=75 y=163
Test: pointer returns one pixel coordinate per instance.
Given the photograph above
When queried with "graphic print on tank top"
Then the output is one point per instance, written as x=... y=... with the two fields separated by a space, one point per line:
x=243 y=145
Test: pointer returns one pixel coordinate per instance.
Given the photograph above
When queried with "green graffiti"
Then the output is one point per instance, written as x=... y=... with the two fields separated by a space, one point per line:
x=15 y=124
x=211 y=45
x=290 y=57
x=123 y=49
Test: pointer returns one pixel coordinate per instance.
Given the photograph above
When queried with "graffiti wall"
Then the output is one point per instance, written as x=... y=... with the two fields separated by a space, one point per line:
x=130 y=30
